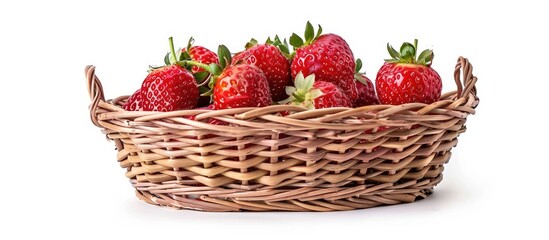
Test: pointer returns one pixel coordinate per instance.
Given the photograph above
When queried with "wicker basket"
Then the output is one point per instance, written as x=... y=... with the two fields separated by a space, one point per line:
x=315 y=160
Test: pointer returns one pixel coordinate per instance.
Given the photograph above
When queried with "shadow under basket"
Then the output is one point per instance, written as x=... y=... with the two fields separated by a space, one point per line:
x=312 y=160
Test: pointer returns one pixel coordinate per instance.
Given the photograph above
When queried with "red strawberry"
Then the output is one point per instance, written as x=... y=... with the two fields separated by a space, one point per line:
x=169 y=88
x=241 y=85
x=272 y=62
x=365 y=87
x=327 y=56
x=405 y=79
x=134 y=102
x=315 y=94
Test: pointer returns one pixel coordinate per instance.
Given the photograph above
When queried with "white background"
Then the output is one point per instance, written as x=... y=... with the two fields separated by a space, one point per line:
x=59 y=177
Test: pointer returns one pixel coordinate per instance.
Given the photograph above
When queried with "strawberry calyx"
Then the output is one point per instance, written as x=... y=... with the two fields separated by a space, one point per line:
x=252 y=43
x=282 y=45
x=173 y=56
x=408 y=54
x=303 y=94
x=212 y=70
x=296 y=41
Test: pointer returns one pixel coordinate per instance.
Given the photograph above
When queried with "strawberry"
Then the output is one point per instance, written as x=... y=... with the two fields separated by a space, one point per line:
x=169 y=88
x=405 y=79
x=134 y=102
x=365 y=87
x=315 y=94
x=272 y=62
x=327 y=56
x=241 y=85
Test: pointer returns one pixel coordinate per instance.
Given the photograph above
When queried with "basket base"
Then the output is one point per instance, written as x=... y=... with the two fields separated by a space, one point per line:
x=208 y=199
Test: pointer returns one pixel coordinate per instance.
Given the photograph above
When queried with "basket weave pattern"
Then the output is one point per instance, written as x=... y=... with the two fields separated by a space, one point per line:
x=312 y=160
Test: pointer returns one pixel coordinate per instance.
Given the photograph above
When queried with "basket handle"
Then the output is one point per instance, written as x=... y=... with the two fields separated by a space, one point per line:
x=464 y=66
x=95 y=90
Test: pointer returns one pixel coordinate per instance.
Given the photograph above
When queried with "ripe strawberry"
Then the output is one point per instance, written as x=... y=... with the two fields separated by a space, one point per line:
x=134 y=102
x=315 y=94
x=169 y=88
x=327 y=56
x=365 y=87
x=405 y=79
x=272 y=62
x=241 y=85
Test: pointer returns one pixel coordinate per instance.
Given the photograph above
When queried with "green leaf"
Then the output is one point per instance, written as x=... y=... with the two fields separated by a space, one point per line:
x=216 y=69
x=309 y=32
x=207 y=93
x=269 y=41
x=167 y=59
x=296 y=41
x=184 y=56
x=201 y=76
x=289 y=90
x=392 y=60
x=203 y=90
x=284 y=49
x=224 y=56
x=315 y=93
x=251 y=43
x=319 y=32
x=407 y=54
x=178 y=54
x=407 y=47
x=308 y=83
x=212 y=83
x=190 y=44
x=392 y=52
x=425 y=57
x=429 y=59
x=360 y=78
x=287 y=100
x=358 y=65
x=299 y=81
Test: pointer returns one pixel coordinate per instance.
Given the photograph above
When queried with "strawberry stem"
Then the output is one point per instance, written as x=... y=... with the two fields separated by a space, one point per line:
x=198 y=64
x=415 y=48
x=172 y=48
